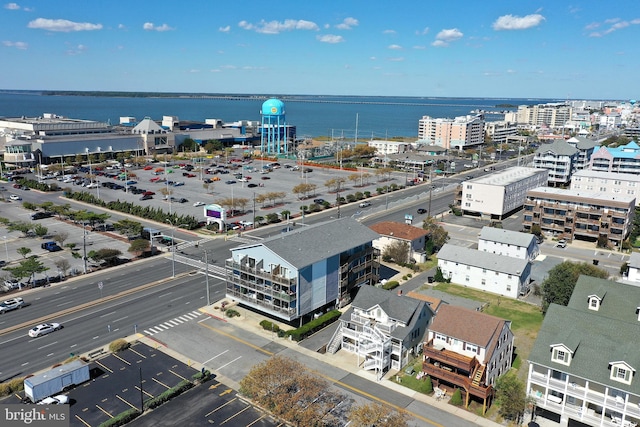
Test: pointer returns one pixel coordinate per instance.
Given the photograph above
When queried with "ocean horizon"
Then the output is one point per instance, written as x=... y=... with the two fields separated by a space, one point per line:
x=336 y=116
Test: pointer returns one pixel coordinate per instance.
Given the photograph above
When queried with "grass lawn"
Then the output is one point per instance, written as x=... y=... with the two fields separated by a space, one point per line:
x=526 y=319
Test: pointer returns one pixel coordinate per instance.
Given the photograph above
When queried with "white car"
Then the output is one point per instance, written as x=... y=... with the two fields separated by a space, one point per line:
x=11 y=304
x=60 y=399
x=15 y=197
x=93 y=185
x=196 y=204
x=246 y=223
x=44 y=329
x=365 y=204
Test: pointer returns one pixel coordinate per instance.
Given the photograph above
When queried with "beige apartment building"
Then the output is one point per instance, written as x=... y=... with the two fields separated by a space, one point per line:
x=579 y=214
x=459 y=133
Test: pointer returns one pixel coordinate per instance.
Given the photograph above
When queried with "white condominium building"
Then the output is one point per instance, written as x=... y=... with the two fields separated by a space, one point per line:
x=458 y=133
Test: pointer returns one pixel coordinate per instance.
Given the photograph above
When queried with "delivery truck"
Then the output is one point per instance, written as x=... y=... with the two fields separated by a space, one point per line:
x=56 y=380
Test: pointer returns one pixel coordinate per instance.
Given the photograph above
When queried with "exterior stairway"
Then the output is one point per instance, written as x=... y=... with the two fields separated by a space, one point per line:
x=336 y=340
x=478 y=375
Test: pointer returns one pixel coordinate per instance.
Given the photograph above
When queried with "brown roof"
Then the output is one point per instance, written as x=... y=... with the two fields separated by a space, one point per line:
x=433 y=302
x=398 y=230
x=468 y=325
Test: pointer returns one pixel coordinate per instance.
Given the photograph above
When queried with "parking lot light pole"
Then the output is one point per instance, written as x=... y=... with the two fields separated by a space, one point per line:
x=6 y=249
x=173 y=249
x=84 y=246
x=206 y=276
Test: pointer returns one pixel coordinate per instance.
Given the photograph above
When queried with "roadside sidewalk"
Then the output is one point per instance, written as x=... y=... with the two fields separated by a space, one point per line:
x=249 y=321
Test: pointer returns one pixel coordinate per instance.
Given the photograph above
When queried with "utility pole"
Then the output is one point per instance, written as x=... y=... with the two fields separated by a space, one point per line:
x=206 y=276
x=430 y=191
x=338 y=198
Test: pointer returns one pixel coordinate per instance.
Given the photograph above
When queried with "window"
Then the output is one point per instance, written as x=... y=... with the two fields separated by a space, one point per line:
x=484 y=282
x=560 y=355
x=621 y=373
x=509 y=287
x=466 y=279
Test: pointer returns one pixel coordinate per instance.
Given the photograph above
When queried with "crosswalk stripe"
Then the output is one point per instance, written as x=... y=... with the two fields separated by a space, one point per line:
x=173 y=322
x=147 y=332
x=177 y=319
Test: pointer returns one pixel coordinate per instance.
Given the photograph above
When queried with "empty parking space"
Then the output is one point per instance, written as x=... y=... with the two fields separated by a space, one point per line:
x=124 y=380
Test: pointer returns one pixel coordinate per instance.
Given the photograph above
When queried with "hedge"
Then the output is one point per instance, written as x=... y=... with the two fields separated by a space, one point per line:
x=269 y=326
x=391 y=284
x=122 y=418
x=12 y=386
x=314 y=326
x=119 y=345
x=183 y=386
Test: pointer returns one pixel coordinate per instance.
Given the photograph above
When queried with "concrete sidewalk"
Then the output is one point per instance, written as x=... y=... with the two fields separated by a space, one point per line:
x=249 y=321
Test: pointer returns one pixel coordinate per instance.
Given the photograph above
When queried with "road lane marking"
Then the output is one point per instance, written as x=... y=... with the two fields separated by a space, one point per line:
x=45 y=346
x=108 y=314
x=207 y=361
x=165 y=295
x=122 y=318
x=227 y=364
x=258 y=419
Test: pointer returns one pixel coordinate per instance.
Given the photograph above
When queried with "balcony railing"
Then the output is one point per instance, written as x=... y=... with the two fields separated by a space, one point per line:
x=258 y=273
x=460 y=380
x=449 y=357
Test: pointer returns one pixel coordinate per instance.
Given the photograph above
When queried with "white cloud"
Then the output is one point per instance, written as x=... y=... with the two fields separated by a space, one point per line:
x=215 y=70
x=510 y=22
x=194 y=71
x=12 y=6
x=444 y=37
x=373 y=58
x=62 y=25
x=225 y=29
x=348 y=24
x=77 y=50
x=330 y=38
x=389 y=32
x=277 y=27
x=121 y=27
x=17 y=45
x=396 y=59
x=615 y=24
x=150 y=26
x=394 y=47
x=424 y=31
x=419 y=47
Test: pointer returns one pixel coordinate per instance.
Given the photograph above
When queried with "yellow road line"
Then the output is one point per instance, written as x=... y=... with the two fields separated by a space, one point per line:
x=268 y=353
x=104 y=410
x=161 y=383
x=134 y=407
x=236 y=414
x=83 y=421
x=220 y=407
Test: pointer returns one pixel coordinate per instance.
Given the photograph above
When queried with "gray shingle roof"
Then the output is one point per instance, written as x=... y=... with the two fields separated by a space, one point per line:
x=582 y=143
x=558 y=147
x=501 y=235
x=598 y=337
x=307 y=245
x=634 y=260
x=481 y=259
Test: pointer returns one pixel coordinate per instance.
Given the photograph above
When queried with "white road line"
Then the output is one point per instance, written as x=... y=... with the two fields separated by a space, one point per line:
x=108 y=314
x=163 y=326
x=207 y=361
x=174 y=323
x=50 y=354
x=45 y=346
x=227 y=364
x=183 y=318
x=177 y=319
x=64 y=303
x=147 y=332
x=122 y=318
x=164 y=295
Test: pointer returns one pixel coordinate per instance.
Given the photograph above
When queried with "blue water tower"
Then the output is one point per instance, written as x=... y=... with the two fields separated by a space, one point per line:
x=273 y=138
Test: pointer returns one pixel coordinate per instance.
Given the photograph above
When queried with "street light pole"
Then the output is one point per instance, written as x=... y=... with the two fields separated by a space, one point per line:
x=173 y=249
x=206 y=276
x=84 y=246
x=6 y=249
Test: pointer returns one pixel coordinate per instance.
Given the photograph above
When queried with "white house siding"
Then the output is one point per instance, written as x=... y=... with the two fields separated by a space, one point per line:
x=486 y=280
x=500 y=361
x=456 y=345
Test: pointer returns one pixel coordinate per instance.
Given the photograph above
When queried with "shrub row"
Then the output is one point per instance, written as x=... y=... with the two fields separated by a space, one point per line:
x=148 y=212
x=314 y=326
x=391 y=284
x=119 y=345
x=31 y=183
x=12 y=386
x=182 y=386
x=267 y=325
x=202 y=376
x=122 y=418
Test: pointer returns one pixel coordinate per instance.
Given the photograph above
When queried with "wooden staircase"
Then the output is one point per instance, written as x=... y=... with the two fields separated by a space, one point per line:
x=478 y=375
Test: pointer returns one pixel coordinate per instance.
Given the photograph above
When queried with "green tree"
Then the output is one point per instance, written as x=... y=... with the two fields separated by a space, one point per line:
x=21 y=226
x=561 y=280
x=23 y=251
x=437 y=234
x=128 y=227
x=40 y=230
x=27 y=268
x=29 y=206
x=456 y=398
x=398 y=251
x=106 y=255
x=138 y=246
x=213 y=145
x=511 y=397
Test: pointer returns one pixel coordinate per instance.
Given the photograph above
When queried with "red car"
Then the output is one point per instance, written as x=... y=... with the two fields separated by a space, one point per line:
x=155 y=179
x=191 y=175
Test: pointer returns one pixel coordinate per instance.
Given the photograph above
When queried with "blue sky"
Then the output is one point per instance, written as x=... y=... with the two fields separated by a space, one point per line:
x=522 y=49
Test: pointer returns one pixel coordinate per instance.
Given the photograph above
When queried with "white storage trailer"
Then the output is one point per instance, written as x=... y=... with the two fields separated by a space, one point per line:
x=56 y=380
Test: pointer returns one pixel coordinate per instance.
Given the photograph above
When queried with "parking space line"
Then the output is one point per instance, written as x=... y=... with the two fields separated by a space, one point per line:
x=145 y=392
x=177 y=374
x=258 y=419
x=138 y=353
x=217 y=355
x=236 y=414
x=104 y=410
x=161 y=383
x=134 y=407
x=220 y=407
x=118 y=357
x=99 y=363
x=82 y=421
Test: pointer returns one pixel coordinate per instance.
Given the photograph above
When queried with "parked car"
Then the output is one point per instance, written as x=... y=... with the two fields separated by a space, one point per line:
x=44 y=329
x=231 y=181
x=422 y=211
x=318 y=201
x=148 y=193
x=182 y=200
x=41 y=215
x=15 y=197
x=50 y=246
x=252 y=185
x=146 y=197
x=562 y=243
x=60 y=399
x=365 y=204
x=196 y=204
x=11 y=304
x=178 y=183
x=265 y=177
